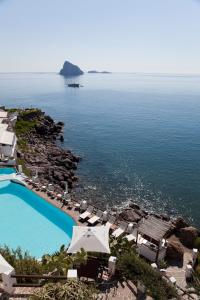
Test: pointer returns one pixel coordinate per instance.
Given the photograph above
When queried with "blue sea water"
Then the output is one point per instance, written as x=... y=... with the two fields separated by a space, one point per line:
x=138 y=134
x=30 y=222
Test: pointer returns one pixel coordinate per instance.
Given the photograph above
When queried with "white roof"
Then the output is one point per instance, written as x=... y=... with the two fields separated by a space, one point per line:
x=3 y=114
x=3 y=126
x=6 y=137
x=4 y=265
x=91 y=239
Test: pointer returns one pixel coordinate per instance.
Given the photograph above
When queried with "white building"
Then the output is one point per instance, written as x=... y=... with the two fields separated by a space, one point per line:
x=7 y=138
x=3 y=114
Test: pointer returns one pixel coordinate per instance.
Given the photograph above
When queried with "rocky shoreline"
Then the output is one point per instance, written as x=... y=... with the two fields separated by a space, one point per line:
x=185 y=233
x=43 y=156
x=39 y=151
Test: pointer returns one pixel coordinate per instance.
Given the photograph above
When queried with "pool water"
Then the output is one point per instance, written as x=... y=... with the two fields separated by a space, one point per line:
x=30 y=222
x=7 y=171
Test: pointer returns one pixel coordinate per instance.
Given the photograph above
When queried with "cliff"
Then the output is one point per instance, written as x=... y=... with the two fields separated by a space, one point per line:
x=70 y=70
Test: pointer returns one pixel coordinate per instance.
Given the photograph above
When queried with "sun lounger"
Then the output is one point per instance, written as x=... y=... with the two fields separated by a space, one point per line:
x=95 y=218
x=87 y=213
x=132 y=236
x=110 y=222
x=121 y=229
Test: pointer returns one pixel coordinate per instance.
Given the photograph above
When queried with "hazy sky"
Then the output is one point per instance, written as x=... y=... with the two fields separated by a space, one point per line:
x=116 y=35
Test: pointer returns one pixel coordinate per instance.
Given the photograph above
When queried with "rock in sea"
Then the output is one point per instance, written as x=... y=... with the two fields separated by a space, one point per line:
x=70 y=70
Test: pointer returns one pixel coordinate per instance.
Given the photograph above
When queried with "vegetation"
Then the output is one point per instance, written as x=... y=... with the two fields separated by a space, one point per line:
x=71 y=290
x=23 y=126
x=59 y=262
x=162 y=264
x=129 y=267
x=21 y=261
x=197 y=243
x=196 y=274
x=11 y=110
x=26 y=121
x=132 y=267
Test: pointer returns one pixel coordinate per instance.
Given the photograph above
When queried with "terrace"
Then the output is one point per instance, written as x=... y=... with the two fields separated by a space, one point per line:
x=149 y=238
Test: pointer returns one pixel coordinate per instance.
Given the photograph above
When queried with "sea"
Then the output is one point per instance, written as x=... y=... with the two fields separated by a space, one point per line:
x=138 y=134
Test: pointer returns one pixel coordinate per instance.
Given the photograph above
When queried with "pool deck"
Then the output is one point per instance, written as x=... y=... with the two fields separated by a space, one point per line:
x=71 y=212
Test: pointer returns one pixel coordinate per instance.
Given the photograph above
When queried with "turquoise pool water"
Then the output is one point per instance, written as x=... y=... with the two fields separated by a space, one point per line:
x=7 y=171
x=28 y=221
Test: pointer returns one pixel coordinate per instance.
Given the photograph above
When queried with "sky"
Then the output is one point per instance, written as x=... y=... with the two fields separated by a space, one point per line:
x=154 y=36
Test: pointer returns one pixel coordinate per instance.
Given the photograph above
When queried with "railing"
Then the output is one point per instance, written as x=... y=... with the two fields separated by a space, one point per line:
x=34 y=276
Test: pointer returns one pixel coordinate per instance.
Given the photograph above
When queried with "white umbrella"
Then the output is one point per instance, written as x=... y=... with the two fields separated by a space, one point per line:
x=91 y=239
x=4 y=265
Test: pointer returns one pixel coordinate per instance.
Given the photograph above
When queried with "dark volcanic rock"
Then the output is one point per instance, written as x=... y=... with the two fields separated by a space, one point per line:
x=54 y=164
x=134 y=205
x=130 y=215
x=188 y=236
x=180 y=223
x=174 y=250
x=70 y=70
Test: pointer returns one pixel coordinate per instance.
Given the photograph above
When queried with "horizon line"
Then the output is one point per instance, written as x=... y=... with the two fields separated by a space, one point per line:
x=115 y=72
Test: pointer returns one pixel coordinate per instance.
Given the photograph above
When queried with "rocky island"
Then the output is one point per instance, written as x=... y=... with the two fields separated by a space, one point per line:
x=70 y=69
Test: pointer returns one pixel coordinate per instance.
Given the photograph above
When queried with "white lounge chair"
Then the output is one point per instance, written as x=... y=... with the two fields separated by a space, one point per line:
x=132 y=236
x=87 y=213
x=95 y=218
x=111 y=221
x=121 y=229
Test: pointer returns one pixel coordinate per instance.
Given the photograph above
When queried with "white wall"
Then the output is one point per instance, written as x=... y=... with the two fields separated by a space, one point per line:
x=150 y=254
x=147 y=252
x=8 y=150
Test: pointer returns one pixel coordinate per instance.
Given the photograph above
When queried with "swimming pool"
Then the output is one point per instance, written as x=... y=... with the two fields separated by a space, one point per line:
x=7 y=171
x=28 y=221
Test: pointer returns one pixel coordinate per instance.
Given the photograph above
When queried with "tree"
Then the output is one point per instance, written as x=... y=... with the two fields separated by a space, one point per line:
x=61 y=261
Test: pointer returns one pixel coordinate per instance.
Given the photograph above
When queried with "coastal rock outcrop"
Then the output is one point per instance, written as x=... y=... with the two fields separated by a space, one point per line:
x=131 y=215
x=175 y=250
x=70 y=69
x=180 y=223
x=41 y=153
x=188 y=236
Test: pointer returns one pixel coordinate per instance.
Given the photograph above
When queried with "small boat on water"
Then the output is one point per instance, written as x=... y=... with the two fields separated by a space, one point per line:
x=74 y=85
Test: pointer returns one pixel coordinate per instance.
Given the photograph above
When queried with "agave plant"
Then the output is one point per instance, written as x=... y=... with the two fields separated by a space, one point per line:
x=71 y=290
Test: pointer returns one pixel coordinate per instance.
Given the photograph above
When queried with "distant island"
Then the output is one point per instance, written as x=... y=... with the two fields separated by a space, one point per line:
x=98 y=72
x=70 y=69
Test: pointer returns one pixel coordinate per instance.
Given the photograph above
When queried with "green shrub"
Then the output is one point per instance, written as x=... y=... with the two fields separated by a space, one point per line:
x=71 y=290
x=197 y=243
x=162 y=264
x=134 y=268
x=21 y=261
x=22 y=126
